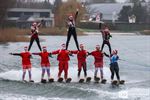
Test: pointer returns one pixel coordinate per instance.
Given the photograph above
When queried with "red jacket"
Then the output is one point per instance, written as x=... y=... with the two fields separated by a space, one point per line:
x=81 y=55
x=106 y=35
x=44 y=58
x=63 y=55
x=25 y=58
x=34 y=32
x=98 y=56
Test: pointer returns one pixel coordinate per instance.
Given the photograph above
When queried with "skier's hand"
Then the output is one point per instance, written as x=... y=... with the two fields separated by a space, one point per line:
x=89 y=53
x=31 y=57
x=70 y=54
x=110 y=36
x=77 y=9
x=50 y=54
x=42 y=21
x=11 y=53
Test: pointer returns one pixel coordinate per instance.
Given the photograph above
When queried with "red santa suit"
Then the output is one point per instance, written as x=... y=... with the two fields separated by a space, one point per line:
x=63 y=58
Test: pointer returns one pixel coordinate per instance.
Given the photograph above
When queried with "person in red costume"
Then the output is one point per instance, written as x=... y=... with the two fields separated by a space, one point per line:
x=98 y=56
x=63 y=58
x=45 y=64
x=26 y=63
x=81 y=56
x=106 y=36
x=34 y=31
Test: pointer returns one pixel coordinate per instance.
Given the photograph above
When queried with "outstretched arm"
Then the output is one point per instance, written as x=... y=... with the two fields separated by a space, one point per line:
x=106 y=54
x=74 y=51
x=55 y=52
x=36 y=53
x=15 y=54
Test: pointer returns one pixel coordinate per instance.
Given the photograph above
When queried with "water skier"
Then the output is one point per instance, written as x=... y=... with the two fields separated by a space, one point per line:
x=72 y=30
x=26 y=63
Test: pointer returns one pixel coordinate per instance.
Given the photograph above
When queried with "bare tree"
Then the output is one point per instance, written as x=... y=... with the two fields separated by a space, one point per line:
x=4 y=5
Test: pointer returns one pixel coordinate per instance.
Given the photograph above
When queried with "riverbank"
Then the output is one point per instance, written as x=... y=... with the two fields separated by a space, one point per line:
x=19 y=35
x=145 y=32
x=11 y=35
x=95 y=31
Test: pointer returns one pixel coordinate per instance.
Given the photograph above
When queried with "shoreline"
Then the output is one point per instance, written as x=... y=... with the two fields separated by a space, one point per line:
x=14 y=37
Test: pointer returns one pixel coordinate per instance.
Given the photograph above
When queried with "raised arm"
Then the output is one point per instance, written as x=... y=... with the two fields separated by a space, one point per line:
x=39 y=24
x=76 y=15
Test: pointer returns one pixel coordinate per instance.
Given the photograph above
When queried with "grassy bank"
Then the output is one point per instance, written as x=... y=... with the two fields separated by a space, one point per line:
x=145 y=32
x=17 y=35
x=11 y=35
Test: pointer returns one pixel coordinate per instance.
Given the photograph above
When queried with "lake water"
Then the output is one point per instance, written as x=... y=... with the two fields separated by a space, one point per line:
x=134 y=50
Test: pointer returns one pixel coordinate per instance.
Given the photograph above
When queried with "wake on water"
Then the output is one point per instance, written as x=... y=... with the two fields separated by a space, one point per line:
x=121 y=92
x=36 y=74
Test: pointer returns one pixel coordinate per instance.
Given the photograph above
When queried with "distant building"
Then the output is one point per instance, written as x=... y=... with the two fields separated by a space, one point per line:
x=109 y=11
x=23 y=17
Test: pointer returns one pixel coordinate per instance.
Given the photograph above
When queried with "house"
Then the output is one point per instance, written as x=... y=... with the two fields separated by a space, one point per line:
x=108 y=11
x=23 y=17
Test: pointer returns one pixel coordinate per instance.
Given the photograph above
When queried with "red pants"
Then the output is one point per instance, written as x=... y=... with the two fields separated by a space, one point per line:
x=63 y=65
x=26 y=66
x=98 y=65
x=80 y=65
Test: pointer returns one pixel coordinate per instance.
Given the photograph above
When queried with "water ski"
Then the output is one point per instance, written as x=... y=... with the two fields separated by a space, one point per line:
x=68 y=80
x=103 y=81
x=60 y=79
x=97 y=79
x=81 y=80
x=114 y=82
x=31 y=81
x=43 y=81
x=88 y=79
x=51 y=80
x=122 y=82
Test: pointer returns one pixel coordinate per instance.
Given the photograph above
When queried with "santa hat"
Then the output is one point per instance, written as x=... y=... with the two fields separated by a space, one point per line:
x=115 y=51
x=63 y=44
x=44 y=47
x=81 y=45
x=25 y=47
x=97 y=46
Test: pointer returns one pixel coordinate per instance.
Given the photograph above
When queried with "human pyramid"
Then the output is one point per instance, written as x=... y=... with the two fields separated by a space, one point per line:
x=63 y=55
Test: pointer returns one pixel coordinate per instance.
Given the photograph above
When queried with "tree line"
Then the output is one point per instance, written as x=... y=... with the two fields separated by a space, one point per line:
x=139 y=10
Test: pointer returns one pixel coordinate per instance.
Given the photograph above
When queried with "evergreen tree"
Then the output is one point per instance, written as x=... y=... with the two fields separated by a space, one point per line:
x=139 y=11
x=124 y=13
x=4 y=5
